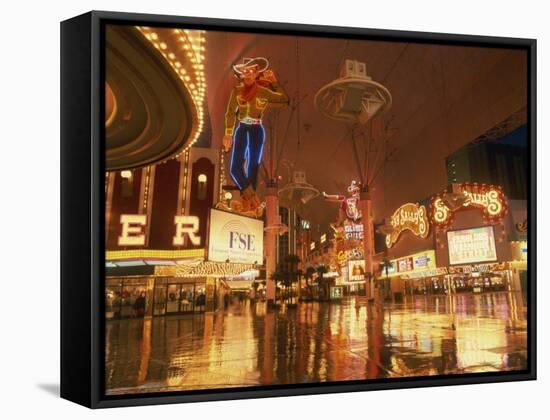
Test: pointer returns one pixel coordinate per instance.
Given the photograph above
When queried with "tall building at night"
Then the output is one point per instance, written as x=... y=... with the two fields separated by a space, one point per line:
x=501 y=161
x=287 y=241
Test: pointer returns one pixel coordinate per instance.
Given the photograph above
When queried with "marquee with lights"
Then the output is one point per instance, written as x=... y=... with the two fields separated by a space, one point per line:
x=488 y=198
x=410 y=216
x=183 y=49
x=206 y=268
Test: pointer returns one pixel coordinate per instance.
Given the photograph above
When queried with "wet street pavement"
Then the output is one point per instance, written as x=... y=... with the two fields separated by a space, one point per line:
x=246 y=345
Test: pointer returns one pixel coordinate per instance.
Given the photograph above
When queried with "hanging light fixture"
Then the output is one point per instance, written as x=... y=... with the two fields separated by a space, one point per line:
x=298 y=191
x=354 y=97
x=278 y=227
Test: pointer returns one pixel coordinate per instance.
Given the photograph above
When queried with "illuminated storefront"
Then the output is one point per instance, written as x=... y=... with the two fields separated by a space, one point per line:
x=472 y=224
x=354 y=273
x=519 y=248
x=122 y=296
x=476 y=244
x=473 y=261
x=193 y=254
x=415 y=273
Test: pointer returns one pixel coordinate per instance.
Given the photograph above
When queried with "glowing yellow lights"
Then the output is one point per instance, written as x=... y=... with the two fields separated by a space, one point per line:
x=441 y=212
x=126 y=174
x=154 y=253
x=184 y=52
x=410 y=216
x=489 y=198
x=132 y=233
x=146 y=189
x=491 y=201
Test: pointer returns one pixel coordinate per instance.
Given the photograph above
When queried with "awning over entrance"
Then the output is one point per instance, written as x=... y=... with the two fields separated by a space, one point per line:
x=205 y=268
x=239 y=284
x=153 y=257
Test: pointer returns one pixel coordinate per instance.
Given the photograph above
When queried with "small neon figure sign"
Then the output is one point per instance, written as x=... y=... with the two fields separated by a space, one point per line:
x=350 y=204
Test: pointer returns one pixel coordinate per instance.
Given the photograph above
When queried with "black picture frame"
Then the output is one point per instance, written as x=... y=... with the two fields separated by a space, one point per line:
x=82 y=209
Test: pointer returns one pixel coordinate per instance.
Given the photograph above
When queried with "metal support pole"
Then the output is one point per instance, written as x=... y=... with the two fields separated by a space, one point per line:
x=368 y=240
x=272 y=213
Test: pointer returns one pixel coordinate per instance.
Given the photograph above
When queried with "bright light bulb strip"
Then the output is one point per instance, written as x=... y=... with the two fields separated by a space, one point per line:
x=187 y=62
x=139 y=254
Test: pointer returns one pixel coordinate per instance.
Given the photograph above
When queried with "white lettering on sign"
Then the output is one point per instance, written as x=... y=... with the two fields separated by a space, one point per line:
x=472 y=245
x=186 y=225
x=353 y=231
x=415 y=263
x=132 y=229
x=489 y=198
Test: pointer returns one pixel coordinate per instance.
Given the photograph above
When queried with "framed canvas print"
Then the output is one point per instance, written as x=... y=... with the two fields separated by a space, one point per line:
x=256 y=209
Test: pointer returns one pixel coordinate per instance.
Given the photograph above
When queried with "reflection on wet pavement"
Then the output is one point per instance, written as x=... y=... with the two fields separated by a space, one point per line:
x=247 y=345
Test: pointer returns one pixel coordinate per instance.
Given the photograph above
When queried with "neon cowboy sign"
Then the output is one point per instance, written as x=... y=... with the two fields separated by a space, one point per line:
x=488 y=198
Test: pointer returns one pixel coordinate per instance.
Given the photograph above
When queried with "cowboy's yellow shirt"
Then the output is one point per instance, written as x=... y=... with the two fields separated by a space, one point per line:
x=238 y=108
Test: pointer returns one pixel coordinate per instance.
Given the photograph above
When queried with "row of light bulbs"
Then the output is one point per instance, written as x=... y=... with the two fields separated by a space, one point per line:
x=187 y=61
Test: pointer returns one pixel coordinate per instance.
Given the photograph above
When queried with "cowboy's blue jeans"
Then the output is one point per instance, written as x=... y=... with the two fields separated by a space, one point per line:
x=248 y=144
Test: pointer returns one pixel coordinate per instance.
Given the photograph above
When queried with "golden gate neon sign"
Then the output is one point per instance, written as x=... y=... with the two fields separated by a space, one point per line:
x=412 y=217
x=489 y=198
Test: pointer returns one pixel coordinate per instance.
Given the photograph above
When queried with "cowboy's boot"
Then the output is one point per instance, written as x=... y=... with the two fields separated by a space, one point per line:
x=236 y=206
x=246 y=198
x=254 y=200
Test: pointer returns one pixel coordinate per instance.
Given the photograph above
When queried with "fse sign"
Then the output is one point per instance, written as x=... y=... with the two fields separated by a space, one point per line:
x=235 y=238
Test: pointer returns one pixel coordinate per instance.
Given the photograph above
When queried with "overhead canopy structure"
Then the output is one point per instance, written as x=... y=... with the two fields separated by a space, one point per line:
x=443 y=97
